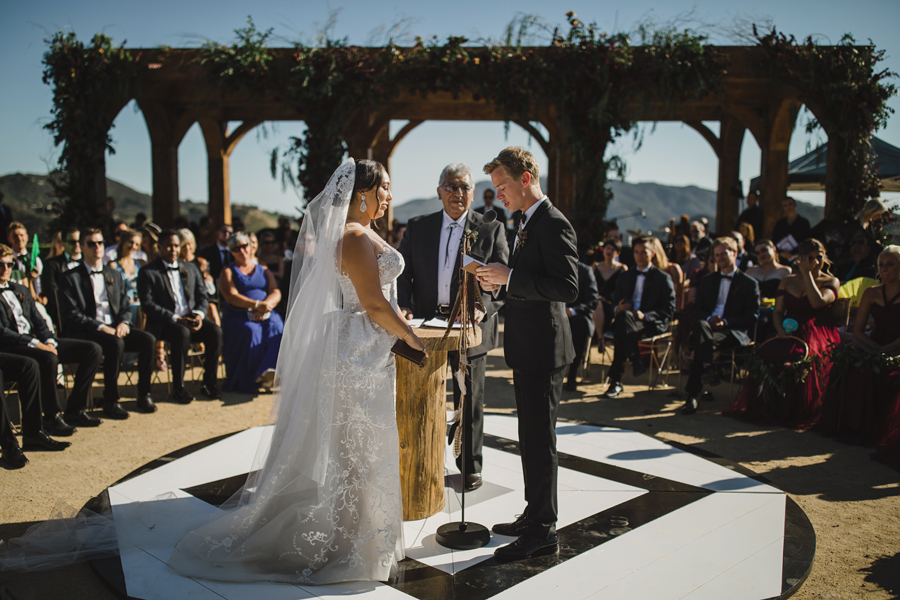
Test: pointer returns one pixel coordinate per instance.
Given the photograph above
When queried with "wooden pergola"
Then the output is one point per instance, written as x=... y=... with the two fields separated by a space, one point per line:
x=177 y=93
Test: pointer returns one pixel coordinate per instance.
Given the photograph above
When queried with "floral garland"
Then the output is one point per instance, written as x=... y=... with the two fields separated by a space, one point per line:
x=779 y=382
x=846 y=357
x=850 y=97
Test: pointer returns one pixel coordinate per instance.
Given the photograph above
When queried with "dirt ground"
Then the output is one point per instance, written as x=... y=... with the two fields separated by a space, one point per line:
x=852 y=501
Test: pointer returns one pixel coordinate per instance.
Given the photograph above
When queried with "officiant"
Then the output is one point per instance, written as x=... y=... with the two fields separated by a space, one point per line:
x=430 y=282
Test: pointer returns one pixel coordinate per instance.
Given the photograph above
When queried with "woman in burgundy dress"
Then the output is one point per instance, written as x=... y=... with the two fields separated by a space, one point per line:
x=865 y=407
x=806 y=298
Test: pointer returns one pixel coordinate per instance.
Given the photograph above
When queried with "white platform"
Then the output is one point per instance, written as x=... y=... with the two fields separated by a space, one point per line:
x=727 y=543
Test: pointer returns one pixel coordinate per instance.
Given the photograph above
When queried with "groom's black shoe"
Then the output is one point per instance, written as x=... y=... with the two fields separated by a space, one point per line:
x=638 y=367
x=614 y=390
x=528 y=546
x=473 y=481
x=514 y=529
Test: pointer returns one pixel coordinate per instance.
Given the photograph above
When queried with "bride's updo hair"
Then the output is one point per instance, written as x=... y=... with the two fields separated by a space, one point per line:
x=369 y=175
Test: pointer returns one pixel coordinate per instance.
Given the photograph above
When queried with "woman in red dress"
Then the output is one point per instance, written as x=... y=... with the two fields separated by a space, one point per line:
x=805 y=298
x=865 y=407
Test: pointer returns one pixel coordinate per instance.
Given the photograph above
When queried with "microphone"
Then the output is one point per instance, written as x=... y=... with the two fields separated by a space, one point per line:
x=490 y=216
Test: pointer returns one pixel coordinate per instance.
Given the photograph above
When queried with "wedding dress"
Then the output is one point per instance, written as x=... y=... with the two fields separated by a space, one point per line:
x=324 y=504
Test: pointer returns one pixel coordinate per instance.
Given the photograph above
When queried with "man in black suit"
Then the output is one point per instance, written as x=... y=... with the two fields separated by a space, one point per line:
x=25 y=372
x=540 y=278
x=217 y=255
x=94 y=306
x=753 y=215
x=430 y=283
x=56 y=266
x=581 y=319
x=489 y=205
x=645 y=302
x=790 y=231
x=25 y=333
x=173 y=297
x=725 y=313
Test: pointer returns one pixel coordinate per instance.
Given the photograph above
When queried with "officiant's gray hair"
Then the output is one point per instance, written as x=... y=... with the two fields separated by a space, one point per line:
x=455 y=170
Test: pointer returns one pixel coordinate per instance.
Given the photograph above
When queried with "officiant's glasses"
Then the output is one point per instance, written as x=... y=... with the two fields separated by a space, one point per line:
x=450 y=189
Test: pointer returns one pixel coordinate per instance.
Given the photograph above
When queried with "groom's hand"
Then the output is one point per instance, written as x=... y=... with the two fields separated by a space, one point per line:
x=492 y=274
x=407 y=314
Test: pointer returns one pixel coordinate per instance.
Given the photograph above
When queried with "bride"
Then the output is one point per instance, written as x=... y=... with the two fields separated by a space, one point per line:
x=322 y=503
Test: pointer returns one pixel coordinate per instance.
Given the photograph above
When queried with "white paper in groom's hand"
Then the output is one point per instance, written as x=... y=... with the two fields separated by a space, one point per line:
x=470 y=264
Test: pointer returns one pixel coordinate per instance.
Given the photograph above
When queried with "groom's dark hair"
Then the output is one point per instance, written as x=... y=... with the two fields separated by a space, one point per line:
x=369 y=175
x=515 y=160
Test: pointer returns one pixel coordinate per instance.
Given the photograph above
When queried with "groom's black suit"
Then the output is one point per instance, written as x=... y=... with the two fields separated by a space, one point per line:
x=417 y=290
x=538 y=347
x=658 y=306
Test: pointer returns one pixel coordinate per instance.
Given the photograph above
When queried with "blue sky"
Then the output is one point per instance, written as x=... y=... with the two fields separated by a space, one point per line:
x=671 y=153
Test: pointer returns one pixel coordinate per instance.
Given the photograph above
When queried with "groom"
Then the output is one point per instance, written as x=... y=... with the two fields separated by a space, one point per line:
x=541 y=278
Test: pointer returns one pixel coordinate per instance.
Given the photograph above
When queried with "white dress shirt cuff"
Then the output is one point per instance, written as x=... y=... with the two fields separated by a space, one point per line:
x=200 y=314
x=51 y=342
x=509 y=278
x=33 y=343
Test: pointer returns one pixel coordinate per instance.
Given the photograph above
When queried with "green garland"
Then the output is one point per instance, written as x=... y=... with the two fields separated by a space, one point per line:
x=846 y=357
x=849 y=95
x=790 y=374
x=86 y=80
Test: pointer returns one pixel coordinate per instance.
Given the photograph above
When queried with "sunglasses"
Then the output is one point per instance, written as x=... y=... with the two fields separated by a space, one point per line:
x=6 y=265
x=94 y=243
x=237 y=249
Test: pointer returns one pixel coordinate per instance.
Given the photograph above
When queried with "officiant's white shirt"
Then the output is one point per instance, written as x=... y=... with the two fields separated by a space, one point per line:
x=451 y=235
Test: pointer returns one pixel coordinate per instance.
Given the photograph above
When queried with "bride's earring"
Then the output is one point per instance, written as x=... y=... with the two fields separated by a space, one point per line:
x=362 y=205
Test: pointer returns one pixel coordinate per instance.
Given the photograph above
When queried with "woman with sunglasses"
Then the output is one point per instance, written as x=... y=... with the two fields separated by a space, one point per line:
x=251 y=330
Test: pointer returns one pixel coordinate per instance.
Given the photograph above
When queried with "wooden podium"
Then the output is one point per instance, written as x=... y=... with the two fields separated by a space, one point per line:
x=422 y=423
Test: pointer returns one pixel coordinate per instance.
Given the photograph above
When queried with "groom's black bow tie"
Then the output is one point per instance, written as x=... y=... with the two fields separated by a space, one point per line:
x=100 y=272
x=642 y=273
x=171 y=268
x=728 y=277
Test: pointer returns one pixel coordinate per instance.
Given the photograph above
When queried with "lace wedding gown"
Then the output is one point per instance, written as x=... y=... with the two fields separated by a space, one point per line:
x=348 y=525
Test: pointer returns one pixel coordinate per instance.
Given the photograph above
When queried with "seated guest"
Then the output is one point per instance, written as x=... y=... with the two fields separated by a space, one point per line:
x=744 y=260
x=723 y=317
x=749 y=234
x=806 y=298
x=112 y=249
x=24 y=332
x=26 y=374
x=94 y=306
x=272 y=255
x=188 y=254
x=862 y=260
x=580 y=320
x=27 y=274
x=644 y=304
x=606 y=274
x=661 y=262
x=864 y=406
x=128 y=264
x=54 y=267
x=252 y=331
x=217 y=254
x=682 y=256
x=173 y=298
x=768 y=275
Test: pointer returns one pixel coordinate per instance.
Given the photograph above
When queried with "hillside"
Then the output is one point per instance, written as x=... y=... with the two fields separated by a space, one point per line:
x=32 y=202
x=660 y=202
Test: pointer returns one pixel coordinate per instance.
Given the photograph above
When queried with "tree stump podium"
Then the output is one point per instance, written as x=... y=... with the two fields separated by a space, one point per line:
x=422 y=423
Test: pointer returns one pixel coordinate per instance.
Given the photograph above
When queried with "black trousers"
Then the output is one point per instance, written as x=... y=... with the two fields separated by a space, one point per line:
x=582 y=328
x=26 y=374
x=68 y=351
x=537 y=402
x=628 y=331
x=180 y=338
x=474 y=418
x=706 y=341
x=113 y=348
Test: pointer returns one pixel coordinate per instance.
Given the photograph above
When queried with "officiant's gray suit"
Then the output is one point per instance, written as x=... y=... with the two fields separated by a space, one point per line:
x=417 y=290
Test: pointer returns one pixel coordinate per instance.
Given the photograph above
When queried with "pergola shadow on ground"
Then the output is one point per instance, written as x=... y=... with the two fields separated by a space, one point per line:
x=176 y=93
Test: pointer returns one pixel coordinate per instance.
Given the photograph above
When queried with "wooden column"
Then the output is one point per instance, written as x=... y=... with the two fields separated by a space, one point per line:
x=731 y=138
x=166 y=126
x=219 y=146
x=774 y=161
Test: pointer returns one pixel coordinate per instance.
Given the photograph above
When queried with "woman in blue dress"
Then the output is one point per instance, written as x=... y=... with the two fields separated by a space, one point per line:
x=251 y=330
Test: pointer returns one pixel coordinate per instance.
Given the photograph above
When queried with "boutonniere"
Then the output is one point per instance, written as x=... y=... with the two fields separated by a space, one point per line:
x=523 y=235
x=183 y=273
x=471 y=235
x=21 y=297
x=109 y=281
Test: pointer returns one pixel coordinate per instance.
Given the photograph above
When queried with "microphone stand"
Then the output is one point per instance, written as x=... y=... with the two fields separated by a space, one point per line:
x=463 y=535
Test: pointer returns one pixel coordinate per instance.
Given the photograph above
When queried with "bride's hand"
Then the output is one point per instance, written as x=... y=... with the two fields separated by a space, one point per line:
x=415 y=343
